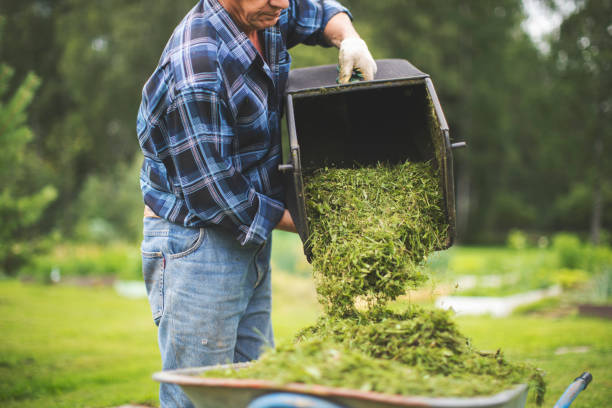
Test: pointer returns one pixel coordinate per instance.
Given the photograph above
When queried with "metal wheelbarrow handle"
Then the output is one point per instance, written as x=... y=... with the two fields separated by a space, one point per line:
x=573 y=390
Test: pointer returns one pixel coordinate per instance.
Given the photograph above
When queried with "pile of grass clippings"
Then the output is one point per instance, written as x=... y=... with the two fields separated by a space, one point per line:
x=429 y=341
x=417 y=352
x=371 y=229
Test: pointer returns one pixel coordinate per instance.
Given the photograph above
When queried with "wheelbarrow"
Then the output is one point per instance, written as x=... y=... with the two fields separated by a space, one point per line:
x=250 y=393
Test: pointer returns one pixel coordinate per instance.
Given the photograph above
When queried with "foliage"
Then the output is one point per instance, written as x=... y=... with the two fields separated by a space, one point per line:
x=94 y=58
x=522 y=170
x=574 y=254
x=110 y=205
x=23 y=197
x=495 y=271
x=582 y=57
x=488 y=75
x=516 y=240
x=571 y=278
x=597 y=291
x=511 y=284
x=371 y=228
x=569 y=250
x=77 y=260
x=482 y=261
x=597 y=259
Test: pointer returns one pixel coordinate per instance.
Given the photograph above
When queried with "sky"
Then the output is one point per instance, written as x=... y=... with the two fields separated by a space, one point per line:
x=541 y=21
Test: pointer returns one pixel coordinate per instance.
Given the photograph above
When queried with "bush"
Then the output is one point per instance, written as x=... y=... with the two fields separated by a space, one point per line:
x=569 y=249
x=573 y=254
x=70 y=260
x=517 y=239
x=597 y=259
x=110 y=206
x=571 y=278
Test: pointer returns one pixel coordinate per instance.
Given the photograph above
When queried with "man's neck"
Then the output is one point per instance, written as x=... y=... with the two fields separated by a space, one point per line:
x=234 y=13
x=254 y=37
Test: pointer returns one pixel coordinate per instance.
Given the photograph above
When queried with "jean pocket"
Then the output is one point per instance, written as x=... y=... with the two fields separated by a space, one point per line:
x=182 y=241
x=153 y=265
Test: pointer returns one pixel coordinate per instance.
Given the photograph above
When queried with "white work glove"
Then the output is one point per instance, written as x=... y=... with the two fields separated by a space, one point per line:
x=354 y=54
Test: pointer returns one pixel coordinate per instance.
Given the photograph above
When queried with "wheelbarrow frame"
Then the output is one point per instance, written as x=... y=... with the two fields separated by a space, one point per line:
x=227 y=392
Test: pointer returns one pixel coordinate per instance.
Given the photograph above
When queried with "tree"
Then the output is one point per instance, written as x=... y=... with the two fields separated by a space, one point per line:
x=582 y=57
x=489 y=77
x=22 y=199
x=93 y=58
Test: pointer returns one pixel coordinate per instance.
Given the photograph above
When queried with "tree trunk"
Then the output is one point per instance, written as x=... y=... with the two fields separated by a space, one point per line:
x=597 y=210
x=463 y=202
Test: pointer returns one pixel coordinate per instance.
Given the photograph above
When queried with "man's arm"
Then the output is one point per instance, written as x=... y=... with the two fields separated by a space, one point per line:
x=339 y=28
x=354 y=53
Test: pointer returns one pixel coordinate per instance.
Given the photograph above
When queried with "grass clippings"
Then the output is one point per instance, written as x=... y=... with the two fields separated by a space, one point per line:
x=371 y=230
x=417 y=352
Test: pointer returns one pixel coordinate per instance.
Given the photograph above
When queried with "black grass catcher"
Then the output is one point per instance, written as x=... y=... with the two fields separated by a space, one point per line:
x=394 y=118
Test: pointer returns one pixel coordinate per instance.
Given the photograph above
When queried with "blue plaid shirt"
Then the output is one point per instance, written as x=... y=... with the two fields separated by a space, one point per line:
x=209 y=121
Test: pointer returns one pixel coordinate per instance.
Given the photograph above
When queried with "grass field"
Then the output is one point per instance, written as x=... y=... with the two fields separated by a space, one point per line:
x=64 y=346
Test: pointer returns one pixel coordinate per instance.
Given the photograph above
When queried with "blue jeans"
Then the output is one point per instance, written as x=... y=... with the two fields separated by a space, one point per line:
x=210 y=297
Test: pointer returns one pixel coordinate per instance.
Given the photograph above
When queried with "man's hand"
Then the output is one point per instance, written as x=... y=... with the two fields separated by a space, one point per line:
x=354 y=54
x=286 y=223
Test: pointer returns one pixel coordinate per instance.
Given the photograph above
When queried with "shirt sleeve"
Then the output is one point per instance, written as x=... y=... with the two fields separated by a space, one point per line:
x=213 y=188
x=307 y=20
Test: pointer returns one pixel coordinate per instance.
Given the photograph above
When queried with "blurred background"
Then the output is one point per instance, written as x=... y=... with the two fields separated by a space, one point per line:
x=527 y=83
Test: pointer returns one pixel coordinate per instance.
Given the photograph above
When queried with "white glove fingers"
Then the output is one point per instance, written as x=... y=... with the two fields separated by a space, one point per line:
x=346 y=72
x=368 y=70
x=354 y=54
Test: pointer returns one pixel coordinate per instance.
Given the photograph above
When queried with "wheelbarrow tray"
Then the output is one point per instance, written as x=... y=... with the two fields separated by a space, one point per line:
x=226 y=392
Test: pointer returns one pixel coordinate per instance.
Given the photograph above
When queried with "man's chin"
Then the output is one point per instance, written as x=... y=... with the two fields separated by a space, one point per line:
x=267 y=23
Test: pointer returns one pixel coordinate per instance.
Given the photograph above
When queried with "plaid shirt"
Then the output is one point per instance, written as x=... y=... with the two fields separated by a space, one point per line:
x=209 y=121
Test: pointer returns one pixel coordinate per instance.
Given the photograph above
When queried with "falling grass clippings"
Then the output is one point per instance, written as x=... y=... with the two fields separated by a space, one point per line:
x=371 y=230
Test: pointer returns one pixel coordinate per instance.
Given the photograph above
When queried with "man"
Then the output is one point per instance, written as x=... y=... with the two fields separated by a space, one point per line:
x=209 y=128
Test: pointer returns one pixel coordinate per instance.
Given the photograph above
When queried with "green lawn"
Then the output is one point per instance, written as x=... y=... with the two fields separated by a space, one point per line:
x=536 y=339
x=87 y=347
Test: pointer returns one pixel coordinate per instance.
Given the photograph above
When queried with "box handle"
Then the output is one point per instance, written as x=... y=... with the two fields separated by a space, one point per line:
x=285 y=167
